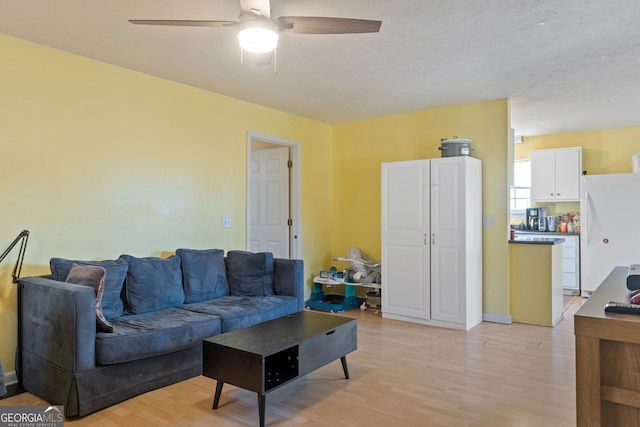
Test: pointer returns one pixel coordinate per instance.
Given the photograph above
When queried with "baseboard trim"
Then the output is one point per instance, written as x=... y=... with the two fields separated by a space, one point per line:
x=11 y=381
x=497 y=318
x=10 y=378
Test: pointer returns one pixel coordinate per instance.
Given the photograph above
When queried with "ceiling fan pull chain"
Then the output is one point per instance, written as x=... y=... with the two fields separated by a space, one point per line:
x=275 y=63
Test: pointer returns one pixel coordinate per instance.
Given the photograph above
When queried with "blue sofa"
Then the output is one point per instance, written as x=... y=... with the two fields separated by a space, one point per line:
x=137 y=324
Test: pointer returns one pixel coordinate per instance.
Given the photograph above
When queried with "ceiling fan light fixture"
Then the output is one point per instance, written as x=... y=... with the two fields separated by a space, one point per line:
x=258 y=39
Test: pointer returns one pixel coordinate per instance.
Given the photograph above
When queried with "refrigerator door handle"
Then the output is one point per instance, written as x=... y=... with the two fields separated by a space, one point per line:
x=586 y=216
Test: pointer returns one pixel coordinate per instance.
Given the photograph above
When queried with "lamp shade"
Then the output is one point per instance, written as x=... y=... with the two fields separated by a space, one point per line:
x=258 y=39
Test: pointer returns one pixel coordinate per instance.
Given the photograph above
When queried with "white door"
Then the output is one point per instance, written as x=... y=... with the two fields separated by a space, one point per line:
x=269 y=201
x=568 y=174
x=608 y=236
x=447 y=239
x=405 y=239
x=543 y=175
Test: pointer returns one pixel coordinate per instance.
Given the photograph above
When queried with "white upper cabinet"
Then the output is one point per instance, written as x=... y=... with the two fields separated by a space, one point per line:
x=555 y=175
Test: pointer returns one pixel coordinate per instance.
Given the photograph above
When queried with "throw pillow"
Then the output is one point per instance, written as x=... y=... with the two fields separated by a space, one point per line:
x=112 y=305
x=250 y=273
x=204 y=274
x=92 y=276
x=153 y=283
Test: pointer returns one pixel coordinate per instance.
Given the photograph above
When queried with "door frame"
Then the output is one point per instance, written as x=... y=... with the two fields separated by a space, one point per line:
x=295 y=188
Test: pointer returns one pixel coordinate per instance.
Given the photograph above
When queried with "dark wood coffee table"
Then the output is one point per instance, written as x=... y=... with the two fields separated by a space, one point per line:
x=266 y=356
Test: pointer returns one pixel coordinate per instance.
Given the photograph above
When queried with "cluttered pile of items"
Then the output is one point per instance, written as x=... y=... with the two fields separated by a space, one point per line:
x=364 y=272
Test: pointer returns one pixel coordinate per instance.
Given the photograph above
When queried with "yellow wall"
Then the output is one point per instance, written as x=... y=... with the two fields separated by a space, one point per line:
x=97 y=161
x=359 y=148
x=603 y=152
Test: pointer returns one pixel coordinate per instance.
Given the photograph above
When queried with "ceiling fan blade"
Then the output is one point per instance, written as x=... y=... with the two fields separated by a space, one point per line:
x=256 y=7
x=324 y=25
x=183 y=23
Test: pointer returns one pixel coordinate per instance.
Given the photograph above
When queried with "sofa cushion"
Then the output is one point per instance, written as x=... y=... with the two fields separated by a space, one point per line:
x=116 y=272
x=92 y=276
x=153 y=284
x=204 y=274
x=241 y=311
x=250 y=273
x=139 y=336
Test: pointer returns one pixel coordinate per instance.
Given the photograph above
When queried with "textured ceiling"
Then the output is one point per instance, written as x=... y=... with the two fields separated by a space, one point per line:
x=566 y=65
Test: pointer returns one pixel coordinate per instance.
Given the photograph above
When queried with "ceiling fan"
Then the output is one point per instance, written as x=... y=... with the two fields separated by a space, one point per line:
x=258 y=31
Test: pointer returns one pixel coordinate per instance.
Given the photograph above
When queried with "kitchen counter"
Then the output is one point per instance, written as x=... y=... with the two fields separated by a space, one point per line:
x=550 y=233
x=570 y=256
x=531 y=240
x=535 y=280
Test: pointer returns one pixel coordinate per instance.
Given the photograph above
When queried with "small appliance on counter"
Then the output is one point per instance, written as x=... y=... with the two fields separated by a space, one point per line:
x=542 y=223
x=537 y=219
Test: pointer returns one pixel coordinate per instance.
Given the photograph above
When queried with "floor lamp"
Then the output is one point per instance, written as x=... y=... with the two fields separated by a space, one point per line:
x=22 y=238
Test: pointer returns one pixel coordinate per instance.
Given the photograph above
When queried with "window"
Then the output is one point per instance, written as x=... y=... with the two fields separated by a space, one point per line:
x=521 y=190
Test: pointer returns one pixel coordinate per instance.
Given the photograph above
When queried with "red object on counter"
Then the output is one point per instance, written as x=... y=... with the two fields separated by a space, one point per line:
x=513 y=234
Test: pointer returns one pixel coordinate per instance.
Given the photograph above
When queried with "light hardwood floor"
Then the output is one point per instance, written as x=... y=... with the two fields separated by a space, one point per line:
x=402 y=374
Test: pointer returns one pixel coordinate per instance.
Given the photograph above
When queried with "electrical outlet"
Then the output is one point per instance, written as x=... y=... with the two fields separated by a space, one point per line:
x=226 y=222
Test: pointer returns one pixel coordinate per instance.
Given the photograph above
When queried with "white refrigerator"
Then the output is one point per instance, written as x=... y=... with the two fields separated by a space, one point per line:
x=609 y=231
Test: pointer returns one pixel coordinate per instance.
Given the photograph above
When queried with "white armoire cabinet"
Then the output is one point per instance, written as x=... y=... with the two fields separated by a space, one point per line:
x=432 y=241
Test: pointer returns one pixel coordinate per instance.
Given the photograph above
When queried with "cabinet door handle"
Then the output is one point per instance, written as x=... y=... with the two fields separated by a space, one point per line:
x=425 y=239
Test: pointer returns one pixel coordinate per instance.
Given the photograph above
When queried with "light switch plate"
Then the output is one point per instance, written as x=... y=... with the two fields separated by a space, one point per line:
x=226 y=222
x=488 y=221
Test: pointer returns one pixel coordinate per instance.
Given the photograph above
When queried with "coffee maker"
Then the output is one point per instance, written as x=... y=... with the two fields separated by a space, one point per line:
x=537 y=219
